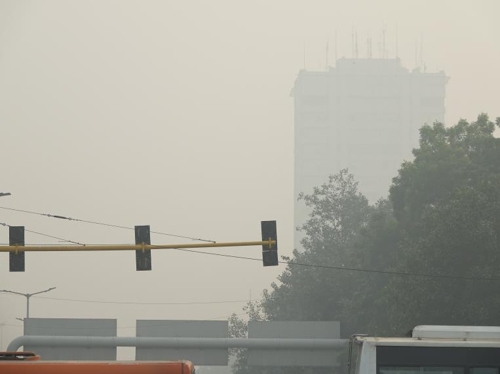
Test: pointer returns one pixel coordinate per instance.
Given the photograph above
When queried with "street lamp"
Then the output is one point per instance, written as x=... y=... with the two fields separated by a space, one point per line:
x=1 y=335
x=27 y=296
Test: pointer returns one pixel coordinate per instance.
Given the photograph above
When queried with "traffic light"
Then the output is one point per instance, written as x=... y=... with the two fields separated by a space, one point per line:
x=16 y=237
x=142 y=256
x=142 y=241
x=269 y=251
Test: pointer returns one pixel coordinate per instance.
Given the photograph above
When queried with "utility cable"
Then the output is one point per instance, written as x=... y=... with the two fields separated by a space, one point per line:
x=139 y=302
x=387 y=272
x=46 y=235
x=103 y=224
x=143 y=303
x=290 y=263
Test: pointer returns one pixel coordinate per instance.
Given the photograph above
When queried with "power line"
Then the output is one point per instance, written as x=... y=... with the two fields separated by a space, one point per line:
x=145 y=303
x=46 y=235
x=139 y=302
x=50 y=244
x=102 y=224
x=289 y=263
x=387 y=272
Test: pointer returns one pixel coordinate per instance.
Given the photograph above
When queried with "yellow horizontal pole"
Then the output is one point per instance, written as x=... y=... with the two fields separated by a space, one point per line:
x=128 y=247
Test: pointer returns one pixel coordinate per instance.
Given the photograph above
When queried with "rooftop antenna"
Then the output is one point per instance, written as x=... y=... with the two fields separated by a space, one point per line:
x=352 y=42
x=335 y=47
x=356 y=43
x=421 y=51
x=369 y=46
x=304 y=54
x=380 y=47
x=327 y=43
x=383 y=43
x=416 y=54
x=397 y=53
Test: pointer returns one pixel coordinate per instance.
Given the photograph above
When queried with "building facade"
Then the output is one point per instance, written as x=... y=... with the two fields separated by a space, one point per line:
x=364 y=115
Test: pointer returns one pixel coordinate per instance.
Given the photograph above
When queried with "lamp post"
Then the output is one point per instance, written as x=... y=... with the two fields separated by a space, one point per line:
x=27 y=296
x=2 y=324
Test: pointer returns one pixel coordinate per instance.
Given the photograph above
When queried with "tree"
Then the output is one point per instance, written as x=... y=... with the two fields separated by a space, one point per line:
x=338 y=212
x=238 y=328
x=423 y=256
x=446 y=160
x=447 y=202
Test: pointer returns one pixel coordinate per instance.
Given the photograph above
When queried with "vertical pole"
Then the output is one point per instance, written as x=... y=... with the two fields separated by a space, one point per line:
x=28 y=306
x=304 y=57
x=335 y=47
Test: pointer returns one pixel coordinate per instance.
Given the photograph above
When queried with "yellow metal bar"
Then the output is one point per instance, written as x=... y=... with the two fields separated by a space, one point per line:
x=127 y=247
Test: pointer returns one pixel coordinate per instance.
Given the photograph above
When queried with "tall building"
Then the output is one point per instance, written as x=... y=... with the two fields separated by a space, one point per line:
x=364 y=115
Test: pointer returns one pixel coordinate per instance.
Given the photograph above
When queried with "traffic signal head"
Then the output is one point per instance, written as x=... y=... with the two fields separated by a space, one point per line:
x=16 y=237
x=269 y=251
x=142 y=256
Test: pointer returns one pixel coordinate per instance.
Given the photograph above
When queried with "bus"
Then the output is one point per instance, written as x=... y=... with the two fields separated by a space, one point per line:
x=30 y=363
x=429 y=350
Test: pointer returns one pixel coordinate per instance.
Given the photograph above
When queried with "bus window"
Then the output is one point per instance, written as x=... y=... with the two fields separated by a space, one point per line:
x=422 y=370
x=484 y=371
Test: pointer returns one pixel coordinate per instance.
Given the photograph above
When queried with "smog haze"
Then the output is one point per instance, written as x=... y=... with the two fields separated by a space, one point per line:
x=178 y=115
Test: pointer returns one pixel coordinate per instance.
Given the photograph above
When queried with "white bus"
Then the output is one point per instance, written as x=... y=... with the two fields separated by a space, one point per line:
x=430 y=350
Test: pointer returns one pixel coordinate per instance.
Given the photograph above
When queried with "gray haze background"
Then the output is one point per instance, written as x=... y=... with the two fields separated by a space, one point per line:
x=178 y=115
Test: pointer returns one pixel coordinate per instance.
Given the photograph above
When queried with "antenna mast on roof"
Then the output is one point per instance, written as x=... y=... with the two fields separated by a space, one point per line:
x=384 y=55
x=380 y=53
x=369 y=46
x=304 y=50
x=422 y=52
x=356 y=40
x=352 y=42
x=416 y=54
x=335 y=47
x=397 y=53
x=327 y=42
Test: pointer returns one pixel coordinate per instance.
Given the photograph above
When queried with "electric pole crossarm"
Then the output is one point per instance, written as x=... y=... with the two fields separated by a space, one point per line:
x=27 y=296
x=130 y=247
x=14 y=292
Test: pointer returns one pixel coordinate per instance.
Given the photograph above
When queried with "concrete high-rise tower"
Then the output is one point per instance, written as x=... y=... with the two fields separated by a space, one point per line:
x=364 y=115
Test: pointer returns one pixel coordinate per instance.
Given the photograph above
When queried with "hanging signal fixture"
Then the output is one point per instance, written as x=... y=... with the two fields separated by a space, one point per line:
x=142 y=247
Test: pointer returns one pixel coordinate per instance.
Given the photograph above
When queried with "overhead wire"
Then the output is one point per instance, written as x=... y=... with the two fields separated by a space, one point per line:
x=103 y=224
x=289 y=263
x=50 y=244
x=143 y=303
x=344 y=268
x=46 y=235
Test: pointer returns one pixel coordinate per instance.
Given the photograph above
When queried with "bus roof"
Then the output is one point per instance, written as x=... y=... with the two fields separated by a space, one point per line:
x=442 y=336
x=428 y=342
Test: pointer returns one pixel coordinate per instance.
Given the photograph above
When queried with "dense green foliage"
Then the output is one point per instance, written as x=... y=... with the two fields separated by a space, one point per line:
x=415 y=258
x=447 y=203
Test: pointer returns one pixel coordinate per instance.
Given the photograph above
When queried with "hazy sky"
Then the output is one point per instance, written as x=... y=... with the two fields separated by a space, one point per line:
x=177 y=114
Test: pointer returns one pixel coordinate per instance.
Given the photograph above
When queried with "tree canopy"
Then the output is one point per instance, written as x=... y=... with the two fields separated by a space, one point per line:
x=429 y=254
